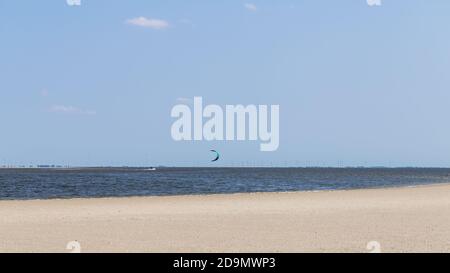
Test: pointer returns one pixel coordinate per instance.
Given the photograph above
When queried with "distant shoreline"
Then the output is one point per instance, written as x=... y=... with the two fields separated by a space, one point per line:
x=213 y=167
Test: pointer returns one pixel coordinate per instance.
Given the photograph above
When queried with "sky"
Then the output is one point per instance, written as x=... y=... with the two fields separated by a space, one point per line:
x=94 y=84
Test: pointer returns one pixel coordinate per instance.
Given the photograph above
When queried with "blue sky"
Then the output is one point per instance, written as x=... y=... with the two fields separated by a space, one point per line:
x=356 y=85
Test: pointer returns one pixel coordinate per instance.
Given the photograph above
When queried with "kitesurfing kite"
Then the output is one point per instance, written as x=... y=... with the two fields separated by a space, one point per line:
x=217 y=155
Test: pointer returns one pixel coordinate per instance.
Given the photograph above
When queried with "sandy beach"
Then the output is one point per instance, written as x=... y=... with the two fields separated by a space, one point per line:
x=400 y=219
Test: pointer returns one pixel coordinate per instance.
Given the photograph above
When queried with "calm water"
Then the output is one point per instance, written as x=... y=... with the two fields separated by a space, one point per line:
x=54 y=183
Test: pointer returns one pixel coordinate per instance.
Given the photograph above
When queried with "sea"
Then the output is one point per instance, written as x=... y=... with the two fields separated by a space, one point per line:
x=17 y=184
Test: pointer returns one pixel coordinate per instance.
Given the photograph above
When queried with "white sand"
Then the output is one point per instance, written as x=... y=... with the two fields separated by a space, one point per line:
x=400 y=219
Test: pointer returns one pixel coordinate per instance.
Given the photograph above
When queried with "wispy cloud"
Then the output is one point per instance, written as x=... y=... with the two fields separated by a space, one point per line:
x=73 y=2
x=250 y=6
x=374 y=2
x=148 y=22
x=71 y=110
